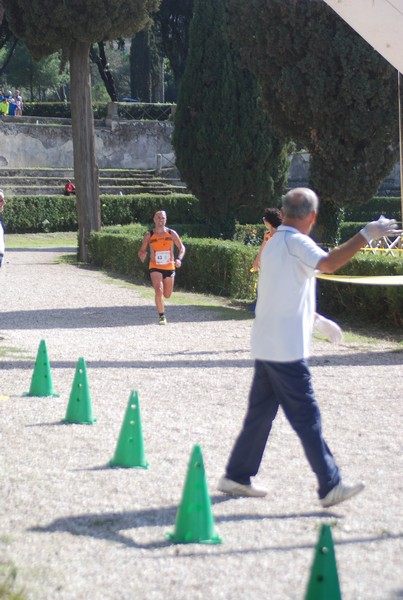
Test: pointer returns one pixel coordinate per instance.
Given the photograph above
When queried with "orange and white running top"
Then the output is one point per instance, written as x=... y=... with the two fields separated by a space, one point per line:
x=162 y=250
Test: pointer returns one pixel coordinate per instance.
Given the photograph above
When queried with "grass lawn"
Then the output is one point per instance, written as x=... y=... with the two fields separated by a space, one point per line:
x=41 y=240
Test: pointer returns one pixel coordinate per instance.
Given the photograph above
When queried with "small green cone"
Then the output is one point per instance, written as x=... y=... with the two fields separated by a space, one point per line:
x=129 y=451
x=41 y=383
x=324 y=581
x=79 y=409
x=194 y=520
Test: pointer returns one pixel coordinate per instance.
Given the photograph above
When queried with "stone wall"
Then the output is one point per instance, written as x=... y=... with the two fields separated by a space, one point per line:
x=120 y=145
x=298 y=175
x=131 y=144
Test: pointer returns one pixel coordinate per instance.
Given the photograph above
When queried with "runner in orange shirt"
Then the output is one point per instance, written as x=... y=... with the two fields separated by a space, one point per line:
x=161 y=241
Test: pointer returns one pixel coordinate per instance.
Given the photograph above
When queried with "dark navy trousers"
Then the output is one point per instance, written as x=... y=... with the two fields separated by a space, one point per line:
x=287 y=385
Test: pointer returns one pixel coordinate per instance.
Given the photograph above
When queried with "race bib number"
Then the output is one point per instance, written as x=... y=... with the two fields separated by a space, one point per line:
x=163 y=257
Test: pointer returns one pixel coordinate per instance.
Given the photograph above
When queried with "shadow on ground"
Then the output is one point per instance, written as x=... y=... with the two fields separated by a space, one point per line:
x=109 y=526
x=106 y=316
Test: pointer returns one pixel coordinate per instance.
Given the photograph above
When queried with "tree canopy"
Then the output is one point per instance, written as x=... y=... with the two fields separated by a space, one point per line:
x=50 y=25
x=72 y=26
x=225 y=147
x=325 y=87
x=39 y=78
x=173 y=20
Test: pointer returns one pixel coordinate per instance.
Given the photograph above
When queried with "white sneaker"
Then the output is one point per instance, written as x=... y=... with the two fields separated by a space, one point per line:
x=328 y=328
x=340 y=493
x=238 y=489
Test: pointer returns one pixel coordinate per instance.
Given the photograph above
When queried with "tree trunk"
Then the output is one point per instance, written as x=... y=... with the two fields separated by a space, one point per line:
x=99 y=58
x=85 y=165
x=9 y=56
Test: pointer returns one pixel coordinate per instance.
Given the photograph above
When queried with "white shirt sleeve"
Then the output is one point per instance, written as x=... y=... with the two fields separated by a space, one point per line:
x=1 y=239
x=306 y=251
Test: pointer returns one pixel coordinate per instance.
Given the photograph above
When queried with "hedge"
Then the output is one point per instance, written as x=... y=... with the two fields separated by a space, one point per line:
x=180 y=208
x=217 y=267
x=35 y=214
x=194 y=230
x=32 y=214
x=390 y=206
x=376 y=303
x=210 y=266
x=223 y=268
x=60 y=110
x=127 y=110
x=347 y=230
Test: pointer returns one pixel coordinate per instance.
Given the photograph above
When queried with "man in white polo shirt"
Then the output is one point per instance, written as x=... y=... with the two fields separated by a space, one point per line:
x=280 y=346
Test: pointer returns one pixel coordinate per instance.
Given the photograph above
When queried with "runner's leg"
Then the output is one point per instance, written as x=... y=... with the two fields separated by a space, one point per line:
x=168 y=285
x=157 y=281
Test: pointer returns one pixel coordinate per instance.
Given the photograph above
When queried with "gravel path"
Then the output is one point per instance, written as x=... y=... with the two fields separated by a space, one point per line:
x=76 y=529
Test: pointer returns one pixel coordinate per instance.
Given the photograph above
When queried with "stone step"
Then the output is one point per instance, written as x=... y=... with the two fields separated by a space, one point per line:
x=103 y=181
x=167 y=173
x=38 y=181
x=110 y=190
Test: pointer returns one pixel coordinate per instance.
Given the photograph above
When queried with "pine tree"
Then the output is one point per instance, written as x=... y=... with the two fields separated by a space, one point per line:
x=225 y=147
x=47 y=26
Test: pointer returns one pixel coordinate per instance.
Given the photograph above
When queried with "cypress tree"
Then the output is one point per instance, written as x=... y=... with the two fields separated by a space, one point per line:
x=145 y=67
x=326 y=88
x=140 y=70
x=225 y=147
x=173 y=19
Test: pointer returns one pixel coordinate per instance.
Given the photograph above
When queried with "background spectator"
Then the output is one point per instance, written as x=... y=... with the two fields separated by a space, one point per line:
x=69 y=188
x=3 y=105
x=12 y=107
x=19 y=102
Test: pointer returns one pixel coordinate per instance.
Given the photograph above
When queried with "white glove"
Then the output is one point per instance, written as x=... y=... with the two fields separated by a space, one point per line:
x=380 y=228
x=328 y=328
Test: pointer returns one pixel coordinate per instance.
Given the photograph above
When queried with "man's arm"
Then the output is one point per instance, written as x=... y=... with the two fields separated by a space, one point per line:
x=256 y=263
x=142 y=253
x=342 y=254
x=181 y=248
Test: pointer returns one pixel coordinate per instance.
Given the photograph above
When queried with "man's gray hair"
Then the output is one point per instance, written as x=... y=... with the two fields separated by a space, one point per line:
x=299 y=203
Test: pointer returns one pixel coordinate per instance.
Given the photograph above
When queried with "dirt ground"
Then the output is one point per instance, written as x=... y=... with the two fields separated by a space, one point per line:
x=74 y=528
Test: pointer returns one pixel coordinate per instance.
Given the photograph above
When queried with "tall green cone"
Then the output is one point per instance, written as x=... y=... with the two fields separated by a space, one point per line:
x=130 y=447
x=194 y=520
x=41 y=383
x=79 y=409
x=324 y=581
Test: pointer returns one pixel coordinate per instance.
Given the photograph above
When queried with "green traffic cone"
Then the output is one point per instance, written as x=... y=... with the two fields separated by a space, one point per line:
x=41 y=383
x=194 y=520
x=79 y=409
x=324 y=581
x=130 y=447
